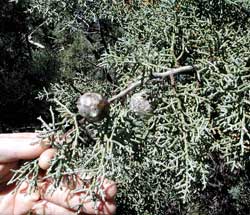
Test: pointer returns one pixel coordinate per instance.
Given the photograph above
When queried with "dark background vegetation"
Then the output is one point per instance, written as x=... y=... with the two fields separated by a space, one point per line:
x=26 y=69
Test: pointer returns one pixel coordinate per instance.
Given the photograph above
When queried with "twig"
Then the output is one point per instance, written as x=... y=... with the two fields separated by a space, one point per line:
x=154 y=76
x=126 y=91
x=39 y=45
x=29 y=37
x=175 y=71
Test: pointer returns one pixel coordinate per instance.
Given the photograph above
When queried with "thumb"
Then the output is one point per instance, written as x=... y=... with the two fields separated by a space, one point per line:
x=19 y=146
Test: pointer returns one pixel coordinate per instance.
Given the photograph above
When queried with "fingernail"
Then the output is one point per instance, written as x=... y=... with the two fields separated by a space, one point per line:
x=34 y=196
x=23 y=187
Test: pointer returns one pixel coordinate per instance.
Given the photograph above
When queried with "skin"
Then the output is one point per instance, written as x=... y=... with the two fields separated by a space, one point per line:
x=16 y=147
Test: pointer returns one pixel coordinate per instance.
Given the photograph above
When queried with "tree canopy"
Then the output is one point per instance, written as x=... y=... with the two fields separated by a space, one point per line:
x=188 y=60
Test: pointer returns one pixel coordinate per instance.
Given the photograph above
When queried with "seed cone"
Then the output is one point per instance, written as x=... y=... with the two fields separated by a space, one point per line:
x=92 y=106
x=139 y=103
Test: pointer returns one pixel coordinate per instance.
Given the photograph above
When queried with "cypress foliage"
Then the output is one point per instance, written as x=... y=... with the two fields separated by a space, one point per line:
x=188 y=60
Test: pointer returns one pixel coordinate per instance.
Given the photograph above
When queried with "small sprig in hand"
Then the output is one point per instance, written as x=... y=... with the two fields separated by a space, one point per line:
x=63 y=199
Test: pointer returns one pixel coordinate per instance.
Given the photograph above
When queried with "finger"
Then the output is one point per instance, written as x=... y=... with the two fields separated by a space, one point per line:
x=48 y=208
x=25 y=199
x=66 y=198
x=19 y=201
x=5 y=170
x=18 y=146
x=45 y=158
x=110 y=189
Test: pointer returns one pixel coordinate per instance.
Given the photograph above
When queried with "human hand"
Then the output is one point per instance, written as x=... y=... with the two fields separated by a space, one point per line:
x=15 y=147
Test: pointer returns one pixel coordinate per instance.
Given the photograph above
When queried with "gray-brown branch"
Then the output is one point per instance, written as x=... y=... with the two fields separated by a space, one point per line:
x=136 y=84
